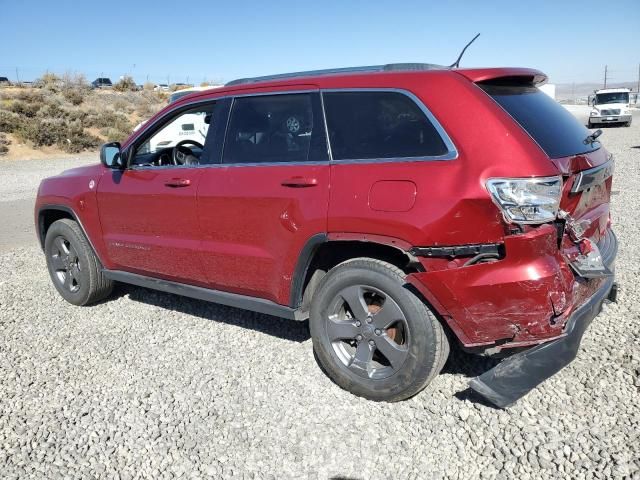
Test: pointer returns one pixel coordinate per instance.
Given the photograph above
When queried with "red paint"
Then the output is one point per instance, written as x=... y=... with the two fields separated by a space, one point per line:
x=242 y=228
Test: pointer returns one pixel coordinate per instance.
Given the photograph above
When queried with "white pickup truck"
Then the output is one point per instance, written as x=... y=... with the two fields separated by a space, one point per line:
x=610 y=105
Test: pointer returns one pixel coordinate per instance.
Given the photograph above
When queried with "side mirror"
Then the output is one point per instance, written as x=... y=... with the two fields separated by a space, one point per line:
x=110 y=155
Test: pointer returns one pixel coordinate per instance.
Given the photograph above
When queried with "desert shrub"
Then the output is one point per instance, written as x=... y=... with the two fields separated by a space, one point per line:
x=70 y=136
x=9 y=121
x=29 y=95
x=126 y=84
x=76 y=139
x=51 y=110
x=74 y=88
x=114 y=135
x=149 y=86
x=4 y=144
x=43 y=132
x=74 y=96
x=108 y=119
x=50 y=81
x=147 y=110
x=26 y=109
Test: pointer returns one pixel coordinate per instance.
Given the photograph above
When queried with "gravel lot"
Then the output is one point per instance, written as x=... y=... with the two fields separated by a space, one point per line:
x=150 y=385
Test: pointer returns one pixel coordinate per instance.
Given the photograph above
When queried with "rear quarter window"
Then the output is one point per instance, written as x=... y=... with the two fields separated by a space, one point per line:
x=379 y=125
x=550 y=125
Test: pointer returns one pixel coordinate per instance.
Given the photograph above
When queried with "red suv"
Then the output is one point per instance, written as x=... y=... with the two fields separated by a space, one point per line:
x=398 y=208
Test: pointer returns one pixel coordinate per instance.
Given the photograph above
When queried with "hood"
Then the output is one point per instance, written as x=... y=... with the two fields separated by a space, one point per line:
x=86 y=170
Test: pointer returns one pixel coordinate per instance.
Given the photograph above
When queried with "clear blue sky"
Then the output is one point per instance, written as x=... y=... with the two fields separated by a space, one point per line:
x=569 y=40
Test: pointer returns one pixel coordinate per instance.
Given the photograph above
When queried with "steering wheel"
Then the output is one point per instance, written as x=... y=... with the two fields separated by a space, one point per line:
x=180 y=154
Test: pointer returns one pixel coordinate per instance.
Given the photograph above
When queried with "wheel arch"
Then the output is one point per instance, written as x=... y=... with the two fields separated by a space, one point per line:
x=48 y=214
x=322 y=252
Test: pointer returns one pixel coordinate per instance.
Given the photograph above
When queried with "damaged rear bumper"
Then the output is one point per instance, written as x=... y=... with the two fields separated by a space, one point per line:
x=518 y=374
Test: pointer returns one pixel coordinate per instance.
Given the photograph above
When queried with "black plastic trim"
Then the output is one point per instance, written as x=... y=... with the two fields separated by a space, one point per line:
x=458 y=250
x=69 y=210
x=302 y=268
x=245 y=302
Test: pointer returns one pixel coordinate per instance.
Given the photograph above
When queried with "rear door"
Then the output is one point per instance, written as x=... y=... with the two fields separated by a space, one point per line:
x=268 y=194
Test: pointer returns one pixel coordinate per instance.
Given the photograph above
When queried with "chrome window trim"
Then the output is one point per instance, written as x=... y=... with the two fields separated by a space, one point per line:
x=452 y=151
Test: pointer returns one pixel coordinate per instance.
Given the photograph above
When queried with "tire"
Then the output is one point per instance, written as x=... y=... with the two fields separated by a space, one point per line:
x=628 y=124
x=409 y=345
x=74 y=269
x=589 y=124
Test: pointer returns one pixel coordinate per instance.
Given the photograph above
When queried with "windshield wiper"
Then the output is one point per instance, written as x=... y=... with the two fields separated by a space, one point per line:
x=592 y=137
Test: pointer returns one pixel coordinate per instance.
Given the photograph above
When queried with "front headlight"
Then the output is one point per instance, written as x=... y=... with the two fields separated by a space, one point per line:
x=527 y=200
x=595 y=113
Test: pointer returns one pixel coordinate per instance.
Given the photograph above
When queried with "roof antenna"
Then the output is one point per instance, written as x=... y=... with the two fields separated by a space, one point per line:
x=456 y=64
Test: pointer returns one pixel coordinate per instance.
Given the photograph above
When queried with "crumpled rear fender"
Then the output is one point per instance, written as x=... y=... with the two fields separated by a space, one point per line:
x=523 y=298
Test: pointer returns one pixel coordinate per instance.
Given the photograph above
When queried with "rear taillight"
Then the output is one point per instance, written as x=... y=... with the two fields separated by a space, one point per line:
x=527 y=200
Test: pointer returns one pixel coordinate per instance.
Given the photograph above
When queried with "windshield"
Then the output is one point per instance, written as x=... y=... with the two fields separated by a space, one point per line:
x=556 y=130
x=613 y=97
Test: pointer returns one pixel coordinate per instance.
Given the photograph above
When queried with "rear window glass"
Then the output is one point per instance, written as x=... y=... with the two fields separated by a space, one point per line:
x=367 y=125
x=556 y=130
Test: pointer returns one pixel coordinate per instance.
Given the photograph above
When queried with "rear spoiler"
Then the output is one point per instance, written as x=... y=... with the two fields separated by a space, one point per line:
x=504 y=76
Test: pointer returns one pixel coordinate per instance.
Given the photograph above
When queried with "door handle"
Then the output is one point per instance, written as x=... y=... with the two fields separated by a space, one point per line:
x=178 y=182
x=299 y=182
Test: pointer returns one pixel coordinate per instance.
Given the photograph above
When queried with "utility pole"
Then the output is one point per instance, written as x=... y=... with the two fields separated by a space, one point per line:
x=638 y=87
x=605 y=76
x=17 y=76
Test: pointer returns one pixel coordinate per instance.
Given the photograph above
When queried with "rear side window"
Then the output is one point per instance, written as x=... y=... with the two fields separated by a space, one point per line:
x=275 y=128
x=376 y=124
x=556 y=130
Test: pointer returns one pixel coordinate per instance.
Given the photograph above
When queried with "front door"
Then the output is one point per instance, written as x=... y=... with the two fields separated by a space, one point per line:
x=148 y=211
x=267 y=197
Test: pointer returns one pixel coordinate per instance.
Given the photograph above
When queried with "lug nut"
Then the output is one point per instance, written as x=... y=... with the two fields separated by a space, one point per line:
x=358 y=323
x=358 y=337
x=372 y=343
x=369 y=319
x=378 y=331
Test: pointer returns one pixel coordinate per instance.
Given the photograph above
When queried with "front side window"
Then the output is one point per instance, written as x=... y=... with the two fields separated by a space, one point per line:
x=378 y=125
x=272 y=128
x=180 y=141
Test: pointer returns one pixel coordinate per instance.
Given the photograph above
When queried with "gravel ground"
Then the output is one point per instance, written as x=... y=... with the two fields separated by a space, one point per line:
x=150 y=385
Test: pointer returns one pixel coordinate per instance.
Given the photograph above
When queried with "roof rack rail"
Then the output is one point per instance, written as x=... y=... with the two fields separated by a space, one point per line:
x=390 y=67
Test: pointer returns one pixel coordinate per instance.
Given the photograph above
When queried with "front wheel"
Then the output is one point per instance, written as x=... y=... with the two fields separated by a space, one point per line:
x=74 y=269
x=372 y=335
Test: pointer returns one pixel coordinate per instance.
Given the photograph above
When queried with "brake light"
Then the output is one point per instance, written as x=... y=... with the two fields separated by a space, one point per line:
x=527 y=200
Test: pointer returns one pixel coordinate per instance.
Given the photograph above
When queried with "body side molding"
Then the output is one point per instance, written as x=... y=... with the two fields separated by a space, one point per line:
x=216 y=296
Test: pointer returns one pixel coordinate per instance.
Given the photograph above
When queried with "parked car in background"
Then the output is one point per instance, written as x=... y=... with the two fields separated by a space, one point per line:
x=161 y=87
x=610 y=105
x=364 y=201
x=4 y=81
x=102 y=82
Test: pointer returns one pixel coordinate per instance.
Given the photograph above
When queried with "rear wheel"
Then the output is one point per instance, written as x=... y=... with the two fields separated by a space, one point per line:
x=628 y=124
x=74 y=269
x=373 y=336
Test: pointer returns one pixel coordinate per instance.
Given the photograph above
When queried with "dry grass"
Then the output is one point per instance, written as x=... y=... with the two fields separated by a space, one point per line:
x=64 y=114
